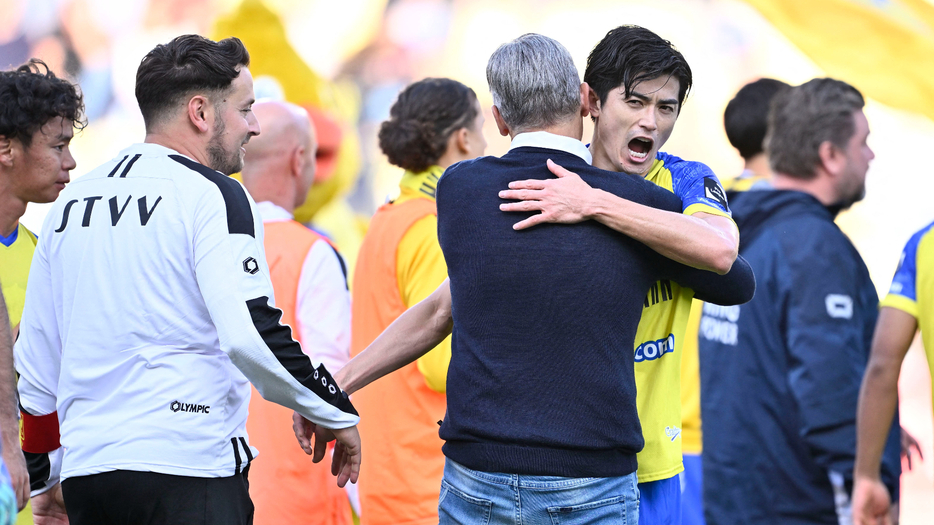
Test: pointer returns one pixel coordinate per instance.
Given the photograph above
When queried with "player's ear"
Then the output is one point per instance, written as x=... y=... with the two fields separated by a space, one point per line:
x=832 y=158
x=200 y=113
x=6 y=151
x=585 y=99
x=592 y=101
x=500 y=123
x=297 y=161
x=461 y=140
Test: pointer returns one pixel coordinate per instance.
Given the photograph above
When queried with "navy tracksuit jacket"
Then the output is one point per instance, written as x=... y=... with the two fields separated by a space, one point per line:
x=780 y=375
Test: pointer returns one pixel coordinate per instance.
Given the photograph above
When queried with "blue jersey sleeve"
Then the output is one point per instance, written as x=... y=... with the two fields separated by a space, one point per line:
x=696 y=185
x=903 y=293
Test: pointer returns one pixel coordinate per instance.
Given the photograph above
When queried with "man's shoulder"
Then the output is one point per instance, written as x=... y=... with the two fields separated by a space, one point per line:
x=814 y=244
x=26 y=236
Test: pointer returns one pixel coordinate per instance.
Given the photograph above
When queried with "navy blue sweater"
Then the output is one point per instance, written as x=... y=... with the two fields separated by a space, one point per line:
x=541 y=378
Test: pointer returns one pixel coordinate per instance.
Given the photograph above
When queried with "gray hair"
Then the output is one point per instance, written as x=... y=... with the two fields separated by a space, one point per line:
x=804 y=117
x=534 y=82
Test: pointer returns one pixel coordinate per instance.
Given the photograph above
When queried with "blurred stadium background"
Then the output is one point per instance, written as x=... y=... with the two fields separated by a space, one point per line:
x=347 y=60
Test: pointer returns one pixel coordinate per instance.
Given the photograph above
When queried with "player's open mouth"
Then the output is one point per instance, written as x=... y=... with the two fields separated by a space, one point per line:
x=639 y=148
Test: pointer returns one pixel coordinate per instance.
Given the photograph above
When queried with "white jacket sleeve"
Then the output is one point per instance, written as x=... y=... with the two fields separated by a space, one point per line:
x=233 y=277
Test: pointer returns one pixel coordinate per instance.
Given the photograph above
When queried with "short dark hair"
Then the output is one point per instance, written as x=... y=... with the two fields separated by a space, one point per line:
x=31 y=95
x=186 y=65
x=804 y=117
x=746 y=117
x=629 y=55
x=422 y=119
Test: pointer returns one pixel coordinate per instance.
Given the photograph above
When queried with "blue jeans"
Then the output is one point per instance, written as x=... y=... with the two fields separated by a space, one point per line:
x=482 y=498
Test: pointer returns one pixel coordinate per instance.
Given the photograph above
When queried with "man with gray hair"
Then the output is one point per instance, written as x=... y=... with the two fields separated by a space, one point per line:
x=781 y=375
x=541 y=420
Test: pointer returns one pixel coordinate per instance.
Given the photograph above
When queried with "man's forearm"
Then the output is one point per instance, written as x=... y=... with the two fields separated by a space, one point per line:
x=9 y=423
x=877 y=402
x=409 y=337
x=689 y=240
x=878 y=396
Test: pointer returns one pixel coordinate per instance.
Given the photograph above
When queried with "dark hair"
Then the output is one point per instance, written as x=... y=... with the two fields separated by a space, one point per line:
x=804 y=117
x=747 y=116
x=629 y=55
x=30 y=97
x=187 y=64
x=422 y=119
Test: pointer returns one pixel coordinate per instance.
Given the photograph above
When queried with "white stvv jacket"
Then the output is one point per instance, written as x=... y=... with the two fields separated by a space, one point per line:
x=148 y=295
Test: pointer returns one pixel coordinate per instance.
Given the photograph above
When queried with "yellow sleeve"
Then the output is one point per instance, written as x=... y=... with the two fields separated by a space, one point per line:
x=695 y=208
x=420 y=269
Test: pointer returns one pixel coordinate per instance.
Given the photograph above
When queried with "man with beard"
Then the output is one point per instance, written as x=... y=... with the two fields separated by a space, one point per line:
x=150 y=307
x=780 y=376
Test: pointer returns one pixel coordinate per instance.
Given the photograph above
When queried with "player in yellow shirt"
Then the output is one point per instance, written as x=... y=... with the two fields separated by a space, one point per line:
x=908 y=306
x=38 y=115
x=638 y=84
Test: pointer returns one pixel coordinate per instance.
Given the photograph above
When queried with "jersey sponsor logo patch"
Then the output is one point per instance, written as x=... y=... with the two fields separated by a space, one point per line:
x=672 y=432
x=178 y=406
x=839 y=306
x=250 y=266
x=719 y=324
x=652 y=350
x=714 y=191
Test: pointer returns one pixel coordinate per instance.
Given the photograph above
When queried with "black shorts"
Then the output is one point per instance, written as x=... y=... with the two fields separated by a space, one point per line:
x=126 y=497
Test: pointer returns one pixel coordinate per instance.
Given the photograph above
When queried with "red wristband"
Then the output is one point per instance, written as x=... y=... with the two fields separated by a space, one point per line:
x=40 y=433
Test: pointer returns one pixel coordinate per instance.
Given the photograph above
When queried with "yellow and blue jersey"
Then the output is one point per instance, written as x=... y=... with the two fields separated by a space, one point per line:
x=660 y=336
x=15 y=258
x=912 y=289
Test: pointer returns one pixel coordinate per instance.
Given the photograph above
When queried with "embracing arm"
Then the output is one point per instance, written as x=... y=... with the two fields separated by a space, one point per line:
x=702 y=240
x=414 y=333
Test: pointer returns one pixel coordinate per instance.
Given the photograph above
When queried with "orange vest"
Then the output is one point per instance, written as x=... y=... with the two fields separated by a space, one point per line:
x=286 y=487
x=400 y=479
